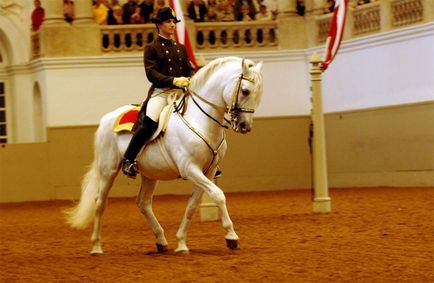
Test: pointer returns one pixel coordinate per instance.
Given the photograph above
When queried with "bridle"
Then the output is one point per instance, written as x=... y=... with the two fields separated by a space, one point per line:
x=234 y=110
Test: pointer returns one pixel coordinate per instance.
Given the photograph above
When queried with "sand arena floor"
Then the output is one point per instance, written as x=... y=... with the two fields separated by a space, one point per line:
x=372 y=235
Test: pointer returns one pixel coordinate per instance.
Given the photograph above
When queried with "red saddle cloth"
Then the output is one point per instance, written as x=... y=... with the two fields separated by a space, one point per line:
x=126 y=120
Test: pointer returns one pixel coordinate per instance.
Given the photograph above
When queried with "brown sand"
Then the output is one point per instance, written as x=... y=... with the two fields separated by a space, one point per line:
x=372 y=235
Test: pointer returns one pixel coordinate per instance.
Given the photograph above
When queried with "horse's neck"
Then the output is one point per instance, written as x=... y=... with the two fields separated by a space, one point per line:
x=211 y=103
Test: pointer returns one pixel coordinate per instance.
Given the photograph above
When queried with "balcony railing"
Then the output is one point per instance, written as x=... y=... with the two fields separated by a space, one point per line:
x=376 y=17
x=236 y=35
x=120 y=38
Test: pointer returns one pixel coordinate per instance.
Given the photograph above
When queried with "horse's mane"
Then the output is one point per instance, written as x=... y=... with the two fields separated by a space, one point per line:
x=203 y=74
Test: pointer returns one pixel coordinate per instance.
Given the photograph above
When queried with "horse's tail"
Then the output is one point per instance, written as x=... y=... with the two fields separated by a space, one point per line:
x=81 y=215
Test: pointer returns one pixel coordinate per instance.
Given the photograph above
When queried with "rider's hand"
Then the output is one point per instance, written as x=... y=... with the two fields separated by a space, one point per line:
x=181 y=82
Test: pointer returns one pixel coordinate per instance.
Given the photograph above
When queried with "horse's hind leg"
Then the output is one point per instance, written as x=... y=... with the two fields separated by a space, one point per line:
x=144 y=202
x=191 y=208
x=105 y=184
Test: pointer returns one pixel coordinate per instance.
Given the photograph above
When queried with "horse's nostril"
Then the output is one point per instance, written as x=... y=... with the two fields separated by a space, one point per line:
x=243 y=125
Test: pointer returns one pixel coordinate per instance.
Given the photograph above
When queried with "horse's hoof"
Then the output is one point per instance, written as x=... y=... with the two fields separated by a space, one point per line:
x=182 y=251
x=232 y=244
x=162 y=248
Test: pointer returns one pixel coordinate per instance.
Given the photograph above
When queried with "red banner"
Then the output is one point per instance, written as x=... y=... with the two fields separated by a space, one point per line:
x=335 y=33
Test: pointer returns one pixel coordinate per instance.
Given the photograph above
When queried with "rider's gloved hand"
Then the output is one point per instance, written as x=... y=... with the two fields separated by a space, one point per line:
x=181 y=82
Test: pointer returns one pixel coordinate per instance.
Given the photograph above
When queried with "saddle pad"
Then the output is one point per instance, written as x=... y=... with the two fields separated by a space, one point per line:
x=126 y=120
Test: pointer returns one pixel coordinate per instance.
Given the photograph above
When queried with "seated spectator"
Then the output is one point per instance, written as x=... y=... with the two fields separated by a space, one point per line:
x=100 y=11
x=197 y=10
x=68 y=10
x=363 y=2
x=115 y=14
x=127 y=10
x=300 y=7
x=211 y=3
x=329 y=7
x=238 y=9
x=211 y=15
x=157 y=6
x=147 y=8
x=226 y=12
x=137 y=18
x=38 y=15
x=245 y=13
x=264 y=14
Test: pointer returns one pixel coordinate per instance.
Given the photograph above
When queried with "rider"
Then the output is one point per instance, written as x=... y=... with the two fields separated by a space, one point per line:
x=169 y=69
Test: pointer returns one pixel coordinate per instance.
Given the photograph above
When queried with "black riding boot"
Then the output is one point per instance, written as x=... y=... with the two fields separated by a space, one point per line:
x=140 y=137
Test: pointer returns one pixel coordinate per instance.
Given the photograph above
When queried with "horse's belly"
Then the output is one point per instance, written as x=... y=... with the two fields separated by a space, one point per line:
x=153 y=164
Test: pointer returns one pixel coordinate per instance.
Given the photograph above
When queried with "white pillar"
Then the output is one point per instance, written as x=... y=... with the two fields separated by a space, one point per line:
x=53 y=11
x=83 y=12
x=321 y=199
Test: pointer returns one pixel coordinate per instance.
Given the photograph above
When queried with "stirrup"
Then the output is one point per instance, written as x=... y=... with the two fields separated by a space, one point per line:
x=129 y=168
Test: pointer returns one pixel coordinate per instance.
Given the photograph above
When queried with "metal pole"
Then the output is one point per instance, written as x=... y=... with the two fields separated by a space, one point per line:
x=321 y=199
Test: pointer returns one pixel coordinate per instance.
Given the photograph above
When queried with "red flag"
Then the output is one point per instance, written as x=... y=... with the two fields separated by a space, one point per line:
x=181 y=34
x=335 y=32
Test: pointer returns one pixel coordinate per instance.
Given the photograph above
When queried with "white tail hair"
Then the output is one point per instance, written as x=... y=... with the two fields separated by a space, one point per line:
x=81 y=215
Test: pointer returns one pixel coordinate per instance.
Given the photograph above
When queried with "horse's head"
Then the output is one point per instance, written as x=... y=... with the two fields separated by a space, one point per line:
x=244 y=96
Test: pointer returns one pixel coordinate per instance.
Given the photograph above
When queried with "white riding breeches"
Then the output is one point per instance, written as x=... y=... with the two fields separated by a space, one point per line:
x=160 y=98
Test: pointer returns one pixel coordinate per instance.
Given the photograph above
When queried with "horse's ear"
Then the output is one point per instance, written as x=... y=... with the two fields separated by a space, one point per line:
x=245 y=67
x=259 y=66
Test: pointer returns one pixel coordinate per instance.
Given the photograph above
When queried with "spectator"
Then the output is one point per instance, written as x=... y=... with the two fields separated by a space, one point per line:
x=100 y=11
x=115 y=14
x=137 y=18
x=147 y=8
x=211 y=15
x=264 y=14
x=38 y=15
x=329 y=7
x=238 y=9
x=211 y=3
x=68 y=10
x=245 y=13
x=157 y=6
x=226 y=12
x=197 y=10
x=363 y=2
x=127 y=10
x=300 y=7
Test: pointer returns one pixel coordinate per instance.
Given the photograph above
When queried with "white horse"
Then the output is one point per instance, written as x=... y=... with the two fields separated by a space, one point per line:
x=191 y=147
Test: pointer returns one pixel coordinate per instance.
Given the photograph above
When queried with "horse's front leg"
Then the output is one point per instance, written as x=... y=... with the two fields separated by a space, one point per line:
x=216 y=194
x=189 y=212
x=144 y=202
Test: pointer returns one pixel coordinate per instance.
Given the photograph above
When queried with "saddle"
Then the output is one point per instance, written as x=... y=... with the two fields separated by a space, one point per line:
x=126 y=120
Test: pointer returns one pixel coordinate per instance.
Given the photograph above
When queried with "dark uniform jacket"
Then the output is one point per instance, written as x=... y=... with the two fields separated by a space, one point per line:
x=164 y=60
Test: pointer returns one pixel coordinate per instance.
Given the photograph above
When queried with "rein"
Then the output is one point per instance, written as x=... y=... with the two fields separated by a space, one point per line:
x=234 y=111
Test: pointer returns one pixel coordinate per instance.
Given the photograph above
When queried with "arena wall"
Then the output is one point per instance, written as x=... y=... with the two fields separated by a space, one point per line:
x=391 y=146
x=378 y=95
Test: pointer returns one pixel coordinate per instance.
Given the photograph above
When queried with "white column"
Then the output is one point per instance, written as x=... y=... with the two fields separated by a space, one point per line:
x=321 y=199
x=83 y=12
x=53 y=11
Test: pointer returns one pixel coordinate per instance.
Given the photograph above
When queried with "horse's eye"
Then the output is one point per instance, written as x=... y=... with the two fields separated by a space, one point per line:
x=246 y=92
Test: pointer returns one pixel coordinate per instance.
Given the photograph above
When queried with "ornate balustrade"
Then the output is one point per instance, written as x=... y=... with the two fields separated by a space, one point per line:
x=405 y=12
x=121 y=38
x=236 y=35
x=379 y=16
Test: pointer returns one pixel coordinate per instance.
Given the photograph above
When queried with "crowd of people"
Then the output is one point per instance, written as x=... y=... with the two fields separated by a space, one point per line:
x=113 y=12
x=141 y=11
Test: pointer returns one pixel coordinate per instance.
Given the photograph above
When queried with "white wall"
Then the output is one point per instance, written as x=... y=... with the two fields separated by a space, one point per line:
x=382 y=70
